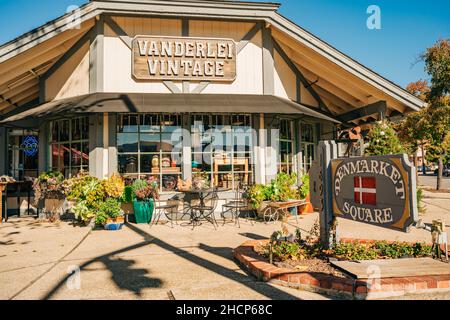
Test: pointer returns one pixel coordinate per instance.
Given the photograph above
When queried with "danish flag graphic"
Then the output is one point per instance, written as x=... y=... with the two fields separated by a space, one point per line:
x=366 y=190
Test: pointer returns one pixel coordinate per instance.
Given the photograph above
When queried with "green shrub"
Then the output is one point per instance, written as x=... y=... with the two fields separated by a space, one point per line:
x=110 y=209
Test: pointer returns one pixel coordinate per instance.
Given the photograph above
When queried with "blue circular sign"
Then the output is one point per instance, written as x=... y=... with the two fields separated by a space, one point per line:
x=30 y=146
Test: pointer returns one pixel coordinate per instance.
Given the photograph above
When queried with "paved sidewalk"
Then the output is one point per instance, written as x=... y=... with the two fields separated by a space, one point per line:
x=140 y=262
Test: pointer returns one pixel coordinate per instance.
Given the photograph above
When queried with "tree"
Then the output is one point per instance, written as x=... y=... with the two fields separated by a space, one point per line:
x=431 y=125
x=383 y=140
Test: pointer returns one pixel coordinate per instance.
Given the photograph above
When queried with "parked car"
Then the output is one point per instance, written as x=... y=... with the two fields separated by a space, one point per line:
x=427 y=169
x=445 y=172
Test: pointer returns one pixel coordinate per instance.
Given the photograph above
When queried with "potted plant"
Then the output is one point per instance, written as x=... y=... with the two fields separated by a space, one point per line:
x=144 y=194
x=88 y=193
x=50 y=187
x=110 y=215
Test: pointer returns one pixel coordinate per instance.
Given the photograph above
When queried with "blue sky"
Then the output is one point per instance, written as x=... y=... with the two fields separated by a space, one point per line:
x=408 y=27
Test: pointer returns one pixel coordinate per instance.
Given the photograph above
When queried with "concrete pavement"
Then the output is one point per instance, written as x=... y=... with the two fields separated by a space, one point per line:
x=139 y=262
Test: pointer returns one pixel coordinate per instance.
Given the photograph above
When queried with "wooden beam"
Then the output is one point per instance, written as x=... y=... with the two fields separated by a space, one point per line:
x=249 y=36
x=68 y=54
x=119 y=31
x=172 y=86
x=379 y=107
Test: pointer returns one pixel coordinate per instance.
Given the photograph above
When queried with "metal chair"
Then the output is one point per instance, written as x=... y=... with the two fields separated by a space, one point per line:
x=237 y=205
x=206 y=210
x=167 y=210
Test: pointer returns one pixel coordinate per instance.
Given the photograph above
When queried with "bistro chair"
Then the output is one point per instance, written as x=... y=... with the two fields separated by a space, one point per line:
x=167 y=209
x=237 y=205
x=206 y=210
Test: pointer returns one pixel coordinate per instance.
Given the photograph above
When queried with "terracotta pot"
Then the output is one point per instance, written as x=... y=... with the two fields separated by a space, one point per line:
x=306 y=209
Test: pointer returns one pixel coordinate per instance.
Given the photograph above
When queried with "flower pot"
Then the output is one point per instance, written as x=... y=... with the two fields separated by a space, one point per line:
x=307 y=208
x=53 y=208
x=114 y=224
x=143 y=211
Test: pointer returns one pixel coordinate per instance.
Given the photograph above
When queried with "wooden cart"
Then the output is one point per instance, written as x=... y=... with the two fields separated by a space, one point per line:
x=276 y=210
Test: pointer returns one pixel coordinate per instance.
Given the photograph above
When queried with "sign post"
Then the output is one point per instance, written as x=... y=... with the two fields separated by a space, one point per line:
x=326 y=152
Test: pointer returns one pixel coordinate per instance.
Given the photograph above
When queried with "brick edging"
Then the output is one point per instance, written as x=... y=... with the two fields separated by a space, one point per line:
x=328 y=284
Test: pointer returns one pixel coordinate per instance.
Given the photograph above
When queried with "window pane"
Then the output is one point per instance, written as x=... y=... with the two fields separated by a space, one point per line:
x=150 y=142
x=146 y=163
x=85 y=128
x=128 y=123
x=127 y=142
x=64 y=131
x=85 y=153
x=55 y=156
x=150 y=123
x=76 y=129
x=76 y=154
x=128 y=164
x=55 y=131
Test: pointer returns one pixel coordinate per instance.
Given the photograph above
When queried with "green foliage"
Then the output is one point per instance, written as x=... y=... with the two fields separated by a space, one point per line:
x=383 y=140
x=88 y=193
x=281 y=189
x=109 y=209
x=420 y=205
x=127 y=196
x=300 y=250
x=437 y=65
x=304 y=189
x=379 y=250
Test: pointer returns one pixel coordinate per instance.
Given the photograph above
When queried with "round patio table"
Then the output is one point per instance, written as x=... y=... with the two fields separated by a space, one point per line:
x=201 y=194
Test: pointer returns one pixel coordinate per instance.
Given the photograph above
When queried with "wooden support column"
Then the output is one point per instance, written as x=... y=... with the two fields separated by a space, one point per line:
x=3 y=150
x=187 y=156
x=112 y=144
x=96 y=145
x=44 y=147
x=96 y=57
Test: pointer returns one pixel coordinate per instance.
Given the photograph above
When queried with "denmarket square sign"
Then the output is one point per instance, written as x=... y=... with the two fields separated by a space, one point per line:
x=379 y=191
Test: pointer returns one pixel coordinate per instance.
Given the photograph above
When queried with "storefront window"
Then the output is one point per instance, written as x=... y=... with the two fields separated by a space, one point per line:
x=70 y=145
x=221 y=149
x=23 y=153
x=287 y=146
x=150 y=145
x=308 y=145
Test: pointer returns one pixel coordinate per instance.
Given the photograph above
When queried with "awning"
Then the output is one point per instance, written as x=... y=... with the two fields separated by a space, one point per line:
x=161 y=103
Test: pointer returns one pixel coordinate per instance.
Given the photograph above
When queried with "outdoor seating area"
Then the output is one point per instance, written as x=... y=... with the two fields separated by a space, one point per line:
x=112 y=202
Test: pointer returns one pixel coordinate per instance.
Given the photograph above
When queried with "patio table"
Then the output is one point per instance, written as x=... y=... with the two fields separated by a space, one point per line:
x=274 y=210
x=201 y=194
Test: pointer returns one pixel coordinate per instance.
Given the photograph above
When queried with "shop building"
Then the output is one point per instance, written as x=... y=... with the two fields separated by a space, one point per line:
x=173 y=89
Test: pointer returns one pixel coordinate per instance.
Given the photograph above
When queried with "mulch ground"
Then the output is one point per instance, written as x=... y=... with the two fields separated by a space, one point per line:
x=312 y=266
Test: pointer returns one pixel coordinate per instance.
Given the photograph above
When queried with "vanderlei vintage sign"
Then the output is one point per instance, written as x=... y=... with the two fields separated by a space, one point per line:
x=169 y=58
x=376 y=190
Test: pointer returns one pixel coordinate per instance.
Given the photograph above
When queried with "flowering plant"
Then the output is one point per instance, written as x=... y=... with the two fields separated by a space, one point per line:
x=114 y=186
x=49 y=185
x=144 y=190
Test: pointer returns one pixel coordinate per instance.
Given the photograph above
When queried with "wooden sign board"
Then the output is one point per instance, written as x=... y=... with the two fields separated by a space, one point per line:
x=170 y=58
x=379 y=191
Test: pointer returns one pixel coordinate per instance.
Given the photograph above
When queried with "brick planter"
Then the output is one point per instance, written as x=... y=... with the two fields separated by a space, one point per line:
x=328 y=284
